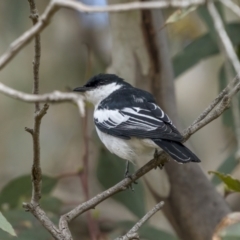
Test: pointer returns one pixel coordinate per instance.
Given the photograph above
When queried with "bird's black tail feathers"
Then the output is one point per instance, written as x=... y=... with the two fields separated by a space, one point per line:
x=177 y=151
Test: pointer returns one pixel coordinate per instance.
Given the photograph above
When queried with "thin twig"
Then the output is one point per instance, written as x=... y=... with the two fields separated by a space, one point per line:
x=54 y=5
x=133 y=232
x=36 y=62
x=35 y=132
x=232 y=6
x=54 y=97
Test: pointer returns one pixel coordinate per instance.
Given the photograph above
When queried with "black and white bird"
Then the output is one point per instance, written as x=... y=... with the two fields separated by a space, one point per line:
x=130 y=123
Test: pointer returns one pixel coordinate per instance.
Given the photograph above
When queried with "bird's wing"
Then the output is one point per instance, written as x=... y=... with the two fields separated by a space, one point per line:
x=144 y=120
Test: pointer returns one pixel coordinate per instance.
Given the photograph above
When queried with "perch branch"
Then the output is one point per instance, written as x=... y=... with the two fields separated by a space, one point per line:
x=133 y=232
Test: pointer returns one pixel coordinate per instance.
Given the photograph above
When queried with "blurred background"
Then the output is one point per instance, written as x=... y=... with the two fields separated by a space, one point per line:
x=76 y=46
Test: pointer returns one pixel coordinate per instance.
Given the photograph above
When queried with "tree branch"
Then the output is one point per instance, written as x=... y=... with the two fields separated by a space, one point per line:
x=133 y=232
x=54 y=97
x=36 y=62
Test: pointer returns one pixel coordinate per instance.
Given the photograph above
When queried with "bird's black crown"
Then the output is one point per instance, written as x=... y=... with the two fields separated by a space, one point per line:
x=104 y=79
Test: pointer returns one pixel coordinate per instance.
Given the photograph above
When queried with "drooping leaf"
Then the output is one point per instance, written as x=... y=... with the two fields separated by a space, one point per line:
x=6 y=226
x=147 y=232
x=231 y=183
x=110 y=171
x=226 y=167
x=19 y=189
x=202 y=48
x=179 y=14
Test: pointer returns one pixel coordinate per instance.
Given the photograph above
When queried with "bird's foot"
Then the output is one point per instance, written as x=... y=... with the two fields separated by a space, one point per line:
x=128 y=175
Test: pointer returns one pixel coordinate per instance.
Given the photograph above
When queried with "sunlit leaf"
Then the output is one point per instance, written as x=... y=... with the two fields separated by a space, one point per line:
x=179 y=14
x=6 y=226
x=19 y=189
x=110 y=171
x=232 y=183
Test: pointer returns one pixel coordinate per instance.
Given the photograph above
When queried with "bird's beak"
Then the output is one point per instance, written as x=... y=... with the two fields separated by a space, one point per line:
x=82 y=89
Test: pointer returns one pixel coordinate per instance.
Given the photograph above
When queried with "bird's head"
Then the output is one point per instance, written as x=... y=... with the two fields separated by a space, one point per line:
x=101 y=86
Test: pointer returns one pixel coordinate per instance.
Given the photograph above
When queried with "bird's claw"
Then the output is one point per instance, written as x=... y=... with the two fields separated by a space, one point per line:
x=128 y=175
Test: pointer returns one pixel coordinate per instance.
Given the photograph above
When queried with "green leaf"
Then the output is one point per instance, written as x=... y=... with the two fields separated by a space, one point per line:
x=147 y=232
x=226 y=167
x=19 y=189
x=201 y=48
x=6 y=226
x=110 y=171
x=232 y=183
x=179 y=14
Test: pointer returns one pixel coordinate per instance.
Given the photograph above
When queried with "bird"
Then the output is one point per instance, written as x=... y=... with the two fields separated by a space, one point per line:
x=130 y=123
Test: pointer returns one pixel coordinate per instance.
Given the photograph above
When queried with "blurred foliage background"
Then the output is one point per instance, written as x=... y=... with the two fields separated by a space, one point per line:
x=74 y=47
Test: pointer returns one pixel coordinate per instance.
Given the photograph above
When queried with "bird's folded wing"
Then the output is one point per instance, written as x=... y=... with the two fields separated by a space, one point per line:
x=147 y=121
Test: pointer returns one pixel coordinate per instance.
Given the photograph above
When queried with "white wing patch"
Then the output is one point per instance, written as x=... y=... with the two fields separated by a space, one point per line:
x=110 y=118
x=129 y=118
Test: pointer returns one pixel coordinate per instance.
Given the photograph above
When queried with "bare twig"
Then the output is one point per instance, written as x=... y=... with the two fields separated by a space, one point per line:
x=232 y=6
x=35 y=132
x=54 y=5
x=54 y=97
x=133 y=232
x=36 y=62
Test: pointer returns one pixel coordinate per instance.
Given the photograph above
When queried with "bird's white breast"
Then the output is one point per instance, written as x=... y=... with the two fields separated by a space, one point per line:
x=131 y=149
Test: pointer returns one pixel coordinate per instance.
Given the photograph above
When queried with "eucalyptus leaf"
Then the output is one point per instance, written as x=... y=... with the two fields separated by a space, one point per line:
x=6 y=226
x=110 y=171
x=231 y=183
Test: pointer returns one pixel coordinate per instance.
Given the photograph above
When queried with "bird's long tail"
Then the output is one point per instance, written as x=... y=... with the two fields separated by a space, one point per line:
x=177 y=151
